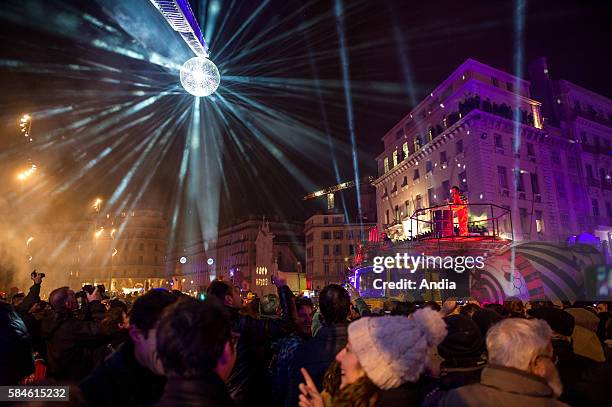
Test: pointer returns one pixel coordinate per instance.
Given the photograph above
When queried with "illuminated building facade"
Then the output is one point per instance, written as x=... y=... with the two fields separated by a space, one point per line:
x=331 y=244
x=464 y=133
x=247 y=253
x=121 y=250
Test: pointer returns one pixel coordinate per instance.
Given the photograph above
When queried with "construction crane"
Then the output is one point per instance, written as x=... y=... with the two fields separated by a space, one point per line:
x=330 y=191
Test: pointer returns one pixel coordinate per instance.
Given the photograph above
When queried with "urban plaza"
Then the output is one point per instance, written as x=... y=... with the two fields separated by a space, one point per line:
x=305 y=203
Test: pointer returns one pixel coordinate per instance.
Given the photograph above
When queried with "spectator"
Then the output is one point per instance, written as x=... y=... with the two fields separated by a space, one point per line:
x=16 y=361
x=133 y=372
x=485 y=318
x=514 y=307
x=286 y=347
x=71 y=334
x=584 y=337
x=250 y=379
x=571 y=367
x=317 y=354
x=463 y=354
x=382 y=361
x=520 y=370
x=197 y=351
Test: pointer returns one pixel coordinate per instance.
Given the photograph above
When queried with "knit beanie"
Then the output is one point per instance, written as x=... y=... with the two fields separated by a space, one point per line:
x=559 y=321
x=394 y=349
x=463 y=340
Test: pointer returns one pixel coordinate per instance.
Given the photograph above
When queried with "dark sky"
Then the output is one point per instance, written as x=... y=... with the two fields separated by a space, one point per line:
x=436 y=38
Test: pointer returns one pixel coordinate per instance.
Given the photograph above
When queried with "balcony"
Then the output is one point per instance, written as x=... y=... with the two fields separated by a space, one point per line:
x=587 y=148
x=592 y=116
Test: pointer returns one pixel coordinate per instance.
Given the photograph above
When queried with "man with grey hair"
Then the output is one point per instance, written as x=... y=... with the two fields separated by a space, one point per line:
x=521 y=370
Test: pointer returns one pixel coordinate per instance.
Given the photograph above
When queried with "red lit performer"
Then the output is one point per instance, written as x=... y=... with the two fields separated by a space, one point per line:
x=460 y=202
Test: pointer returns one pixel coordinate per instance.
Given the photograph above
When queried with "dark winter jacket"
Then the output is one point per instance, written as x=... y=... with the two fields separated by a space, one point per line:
x=32 y=298
x=502 y=387
x=250 y=379
x=315 y=356
x=121 y=380
x=16 y=361
x=207 y=391
x=71 y=341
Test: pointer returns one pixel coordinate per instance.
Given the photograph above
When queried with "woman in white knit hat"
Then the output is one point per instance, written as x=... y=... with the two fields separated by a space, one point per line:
x=382 y=353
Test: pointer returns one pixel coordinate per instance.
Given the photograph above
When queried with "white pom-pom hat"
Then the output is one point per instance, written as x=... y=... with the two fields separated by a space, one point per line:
x=394 y=349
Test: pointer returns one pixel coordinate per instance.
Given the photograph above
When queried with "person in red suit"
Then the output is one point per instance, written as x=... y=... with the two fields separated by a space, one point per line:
x=460 y=202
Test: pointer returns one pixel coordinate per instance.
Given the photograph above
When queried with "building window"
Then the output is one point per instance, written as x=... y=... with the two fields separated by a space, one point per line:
x=584 y=138
x=602 y=175
x=399 y=134
x=326 y=235
x=325 y=220
x=572 y=162
x=554 y=155
x=530 y=150
x=502 y=177
x=524 y=217
x=609 y=209
x=576 y=105
x=498 y=141
x=416 y=174
x=509 y=86
x=396 y=214
x=430 y=197
x=405 y=181
x=495 y=82
x=309 y=238
x=326 y=269
x=459 y=147
x=589 y=170
x=386 y=164
x=463 y=183
x=337 y=249
x=325 y=250
x=387 y=217
x=535 y=184
x=407 y=208
x=539 y=218
x=445 y=189
x=419 y=202
x=351 y=250
x=428 y=166
x=156 y=247
x=595 y=203
x=405 y=150
x=338 y=234
x=560 y=184
x=443 y=158
x=519 y=181
x=395 y=157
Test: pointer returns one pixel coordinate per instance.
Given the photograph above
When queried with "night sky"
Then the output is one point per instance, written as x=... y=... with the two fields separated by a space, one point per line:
x=435 y=37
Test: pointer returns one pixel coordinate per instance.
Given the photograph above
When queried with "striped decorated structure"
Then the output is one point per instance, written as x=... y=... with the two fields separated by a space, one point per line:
x=541 y=271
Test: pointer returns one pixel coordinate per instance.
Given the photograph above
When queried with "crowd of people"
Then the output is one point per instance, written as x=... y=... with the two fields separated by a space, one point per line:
x=170 y=349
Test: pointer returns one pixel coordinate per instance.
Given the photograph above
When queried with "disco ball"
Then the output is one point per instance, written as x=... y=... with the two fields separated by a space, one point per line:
x=200 y=76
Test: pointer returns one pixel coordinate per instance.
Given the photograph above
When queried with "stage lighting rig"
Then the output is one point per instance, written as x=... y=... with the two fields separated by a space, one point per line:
x=199 y=75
